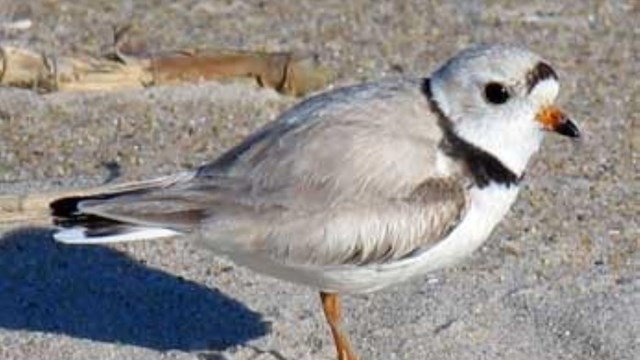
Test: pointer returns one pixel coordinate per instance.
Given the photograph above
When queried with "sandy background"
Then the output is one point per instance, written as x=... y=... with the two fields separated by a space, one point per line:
x=560 y=278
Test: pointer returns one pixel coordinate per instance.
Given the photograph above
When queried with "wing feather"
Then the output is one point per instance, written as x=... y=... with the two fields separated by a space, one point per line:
x=353 y=233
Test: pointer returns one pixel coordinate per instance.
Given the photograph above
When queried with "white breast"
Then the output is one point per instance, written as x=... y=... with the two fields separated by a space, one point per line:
x=487 y=207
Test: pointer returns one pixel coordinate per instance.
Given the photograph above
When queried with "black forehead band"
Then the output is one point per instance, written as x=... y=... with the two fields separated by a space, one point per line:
x=540 y=72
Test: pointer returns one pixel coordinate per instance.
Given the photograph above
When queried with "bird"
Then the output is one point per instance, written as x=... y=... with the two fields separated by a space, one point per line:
x=357 y=188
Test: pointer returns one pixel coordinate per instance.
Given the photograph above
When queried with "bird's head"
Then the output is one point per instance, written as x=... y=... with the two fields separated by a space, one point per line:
x=500 y=98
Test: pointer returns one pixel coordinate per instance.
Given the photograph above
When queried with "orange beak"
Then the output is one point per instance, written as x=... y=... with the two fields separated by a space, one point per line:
x=553 y=119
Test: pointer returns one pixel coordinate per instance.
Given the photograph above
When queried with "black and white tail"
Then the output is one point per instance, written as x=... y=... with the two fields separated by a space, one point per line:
x=78 y=227
x=104 y=218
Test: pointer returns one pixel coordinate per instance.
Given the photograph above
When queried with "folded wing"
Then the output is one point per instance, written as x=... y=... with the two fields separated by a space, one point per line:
x=343 y=178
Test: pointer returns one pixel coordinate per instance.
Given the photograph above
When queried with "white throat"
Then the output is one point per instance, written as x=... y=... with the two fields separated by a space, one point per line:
x=512 y=139
x=513 y=143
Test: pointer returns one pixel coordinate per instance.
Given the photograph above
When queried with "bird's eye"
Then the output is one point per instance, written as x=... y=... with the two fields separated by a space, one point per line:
x=496 y=93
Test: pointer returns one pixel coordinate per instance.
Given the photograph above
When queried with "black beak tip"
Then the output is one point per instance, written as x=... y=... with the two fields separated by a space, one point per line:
x=568 y=128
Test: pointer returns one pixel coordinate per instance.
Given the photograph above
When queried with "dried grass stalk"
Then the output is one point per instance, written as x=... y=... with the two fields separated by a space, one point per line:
x=285 y=72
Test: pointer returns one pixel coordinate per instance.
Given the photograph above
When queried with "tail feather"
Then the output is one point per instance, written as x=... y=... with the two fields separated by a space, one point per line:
x=68 y=207
x=82 y=228
x=80 y=235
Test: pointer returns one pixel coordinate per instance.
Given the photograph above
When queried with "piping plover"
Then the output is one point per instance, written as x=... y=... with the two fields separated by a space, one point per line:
x=357 y=188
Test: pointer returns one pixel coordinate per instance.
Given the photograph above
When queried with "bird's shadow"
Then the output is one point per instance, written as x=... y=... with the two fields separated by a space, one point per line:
x=98 y=293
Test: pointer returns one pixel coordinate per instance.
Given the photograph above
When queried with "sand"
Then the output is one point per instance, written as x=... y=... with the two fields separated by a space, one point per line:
x=559 y=278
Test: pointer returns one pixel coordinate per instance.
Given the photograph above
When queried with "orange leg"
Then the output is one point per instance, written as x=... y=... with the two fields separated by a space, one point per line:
x=333 y=313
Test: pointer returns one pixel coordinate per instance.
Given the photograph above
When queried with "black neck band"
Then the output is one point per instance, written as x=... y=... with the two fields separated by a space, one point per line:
x=484 y=167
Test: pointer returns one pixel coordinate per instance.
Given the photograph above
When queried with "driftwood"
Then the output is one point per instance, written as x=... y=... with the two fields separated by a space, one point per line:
x=286 y=72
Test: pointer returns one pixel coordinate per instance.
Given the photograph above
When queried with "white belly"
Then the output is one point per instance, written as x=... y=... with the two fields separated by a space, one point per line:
x=487 y=207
